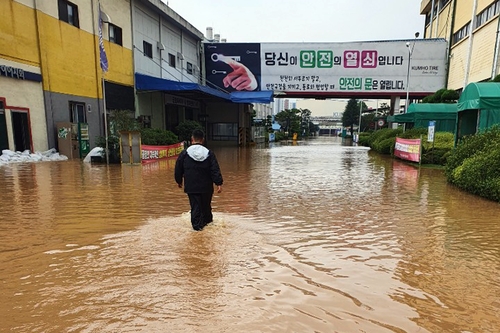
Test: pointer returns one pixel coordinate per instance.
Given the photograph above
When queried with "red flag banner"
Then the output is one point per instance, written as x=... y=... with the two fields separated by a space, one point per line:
x=155 y=153
x=407 y=149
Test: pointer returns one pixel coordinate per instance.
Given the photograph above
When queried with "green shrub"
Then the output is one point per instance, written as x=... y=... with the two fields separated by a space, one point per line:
x=480 y=174
x=385 y=146
x=158 y=137
x=122 y=120
x=364 y=138
x=439 y=151
x=377 y=140
x=435 y=156
x=186 y=128
x=414 y=133
x=442 y=140
x=279 y=136
x=469 y=146
x=382 y=141
x=474 y=165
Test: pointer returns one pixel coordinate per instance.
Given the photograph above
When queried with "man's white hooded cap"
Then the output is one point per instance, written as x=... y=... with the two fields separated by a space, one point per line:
x=197 y=152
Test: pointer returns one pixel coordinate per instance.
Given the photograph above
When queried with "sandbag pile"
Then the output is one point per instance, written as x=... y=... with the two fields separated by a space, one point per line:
x=9 y=156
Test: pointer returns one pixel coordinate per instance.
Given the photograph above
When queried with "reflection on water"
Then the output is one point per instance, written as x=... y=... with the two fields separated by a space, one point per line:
x=312 y=237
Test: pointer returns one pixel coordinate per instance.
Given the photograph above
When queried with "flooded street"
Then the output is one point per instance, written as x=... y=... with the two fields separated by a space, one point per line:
x=314 y=237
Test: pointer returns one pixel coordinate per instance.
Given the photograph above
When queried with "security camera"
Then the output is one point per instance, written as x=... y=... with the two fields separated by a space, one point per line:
x=407 y=44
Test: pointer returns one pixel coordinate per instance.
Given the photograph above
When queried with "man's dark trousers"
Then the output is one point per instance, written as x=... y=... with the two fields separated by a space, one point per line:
x=201 y=209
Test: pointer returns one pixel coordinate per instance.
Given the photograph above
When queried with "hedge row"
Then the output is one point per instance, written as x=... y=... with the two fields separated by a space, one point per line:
x=383 y=141
x=474 y=165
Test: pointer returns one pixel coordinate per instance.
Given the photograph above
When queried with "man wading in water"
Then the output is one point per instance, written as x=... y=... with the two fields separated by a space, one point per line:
x=200 y=170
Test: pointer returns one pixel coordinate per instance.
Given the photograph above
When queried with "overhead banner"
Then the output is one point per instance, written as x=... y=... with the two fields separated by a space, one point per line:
x=364 y=67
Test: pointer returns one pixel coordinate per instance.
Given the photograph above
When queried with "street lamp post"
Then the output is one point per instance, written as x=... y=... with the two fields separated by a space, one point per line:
x=410 y=52
x=360 y=111
x=360 y=114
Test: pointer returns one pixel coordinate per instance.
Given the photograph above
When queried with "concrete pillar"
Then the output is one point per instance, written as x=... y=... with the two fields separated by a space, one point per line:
x=395 y=105
x=242 y=125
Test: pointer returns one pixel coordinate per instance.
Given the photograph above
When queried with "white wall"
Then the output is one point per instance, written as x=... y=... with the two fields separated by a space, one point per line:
x=152 y=27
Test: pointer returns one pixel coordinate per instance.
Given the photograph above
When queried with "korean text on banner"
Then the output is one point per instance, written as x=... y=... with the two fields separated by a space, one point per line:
x=407 y=149
x=155 y=153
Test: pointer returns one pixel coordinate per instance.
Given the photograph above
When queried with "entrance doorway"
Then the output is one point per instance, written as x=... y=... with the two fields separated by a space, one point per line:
x=4 y=139
x=21 y=129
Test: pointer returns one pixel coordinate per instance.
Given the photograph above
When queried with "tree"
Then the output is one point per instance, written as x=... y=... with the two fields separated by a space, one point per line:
x=351 y=113
x=289 y=120
x=442 y=96
x=305 y=116
x=313 y=128
x=268 y=123
x=384 y=109
x=186 y=128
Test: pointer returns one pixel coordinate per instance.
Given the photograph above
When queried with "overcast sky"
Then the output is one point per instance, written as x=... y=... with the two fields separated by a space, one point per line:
x=303 y=21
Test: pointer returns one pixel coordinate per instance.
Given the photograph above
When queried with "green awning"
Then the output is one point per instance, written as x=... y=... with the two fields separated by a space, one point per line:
x=421 y=113
x=480 y=95
x=440 y=110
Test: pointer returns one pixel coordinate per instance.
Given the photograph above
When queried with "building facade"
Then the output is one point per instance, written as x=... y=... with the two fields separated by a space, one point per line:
x=51 y=59
x=470 y=27
x=22 y=113
x=165 y=47
x=169 y=72
x=65 y=63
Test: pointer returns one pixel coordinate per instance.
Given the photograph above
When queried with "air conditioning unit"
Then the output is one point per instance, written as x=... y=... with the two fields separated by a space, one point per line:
x=160 y=46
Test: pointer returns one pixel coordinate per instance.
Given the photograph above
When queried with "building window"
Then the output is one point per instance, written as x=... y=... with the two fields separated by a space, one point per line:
x=147 y=49
x=461 y=34
x=487 y=14
x=68 y=12
x=189 y=68
x=77 y=112
x=225 y=132
x=427 y=18
x=115 y=34
x=171 y=60
x=443 y=3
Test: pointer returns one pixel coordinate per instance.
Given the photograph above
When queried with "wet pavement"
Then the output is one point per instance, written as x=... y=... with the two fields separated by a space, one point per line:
x=313 y=237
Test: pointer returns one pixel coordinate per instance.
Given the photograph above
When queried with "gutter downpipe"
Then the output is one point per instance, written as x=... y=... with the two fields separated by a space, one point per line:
x=160 y=28
x=47 y=100
x=432 y=19
x=471 y=38
x=497 y=50
x=437 y=19
x=450 y=41
x=134 y=52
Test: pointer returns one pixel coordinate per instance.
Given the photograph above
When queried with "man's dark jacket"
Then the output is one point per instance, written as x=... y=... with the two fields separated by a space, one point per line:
x=199 y=168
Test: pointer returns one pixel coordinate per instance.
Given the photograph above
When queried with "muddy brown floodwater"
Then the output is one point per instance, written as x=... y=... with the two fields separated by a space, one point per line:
x=313 y=237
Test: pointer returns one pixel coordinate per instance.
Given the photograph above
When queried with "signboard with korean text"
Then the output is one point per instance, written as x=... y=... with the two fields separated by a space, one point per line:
x=362 y=67
x=430 y=131
x=407 y=149
x=155 y=153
